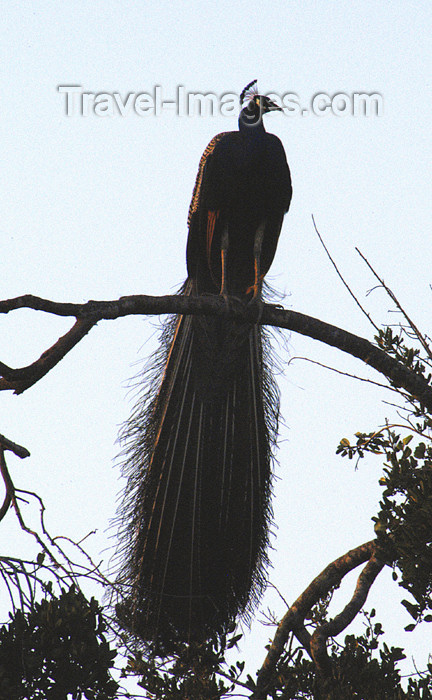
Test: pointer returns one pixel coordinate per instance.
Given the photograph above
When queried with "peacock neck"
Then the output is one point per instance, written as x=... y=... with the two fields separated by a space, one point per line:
x=251 y=124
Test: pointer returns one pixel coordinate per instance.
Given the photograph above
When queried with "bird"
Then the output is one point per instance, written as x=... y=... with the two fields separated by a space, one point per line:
x=198 y=451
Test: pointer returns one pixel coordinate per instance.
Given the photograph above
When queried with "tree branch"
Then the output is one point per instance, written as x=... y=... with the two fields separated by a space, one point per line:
x=8 y=484
x=24 y=377
x=18 y=450
x=294 y=618
x=21 y=452
x=318 y=644
x=89 y=314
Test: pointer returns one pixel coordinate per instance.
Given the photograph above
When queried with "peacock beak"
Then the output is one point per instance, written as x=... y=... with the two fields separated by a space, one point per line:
x=271 y=106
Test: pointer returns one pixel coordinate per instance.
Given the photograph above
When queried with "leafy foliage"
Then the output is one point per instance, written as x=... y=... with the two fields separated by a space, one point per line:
x=195 y=671
x=405 y=518
x=404 y=522
x=58 y=648
x=363 y=669
x=394 y=344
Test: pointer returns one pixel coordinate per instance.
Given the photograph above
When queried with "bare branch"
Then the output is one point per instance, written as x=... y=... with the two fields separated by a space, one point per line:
x=18 y=450
x=28 y=301
x=393 y=297
x=93 y=311
x=8 y=496
x=23 y=378
x=342 y=279
x=21 y=452
x=339 y=371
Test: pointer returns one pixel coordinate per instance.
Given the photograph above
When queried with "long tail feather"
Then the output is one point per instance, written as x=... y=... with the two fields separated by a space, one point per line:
x=197 y=508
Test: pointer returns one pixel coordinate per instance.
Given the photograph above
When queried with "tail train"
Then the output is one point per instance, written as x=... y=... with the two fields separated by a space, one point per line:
x=199 y=463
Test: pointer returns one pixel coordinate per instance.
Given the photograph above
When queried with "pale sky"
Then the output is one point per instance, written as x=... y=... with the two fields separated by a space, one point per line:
x=95 y=207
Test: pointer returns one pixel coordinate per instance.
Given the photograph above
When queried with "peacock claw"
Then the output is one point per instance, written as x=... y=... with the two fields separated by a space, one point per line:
x=277 y=307
x=233 y=303
x=256 y=307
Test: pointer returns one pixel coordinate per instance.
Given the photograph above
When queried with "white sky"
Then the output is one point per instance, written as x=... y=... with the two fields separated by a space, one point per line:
x=96 y=207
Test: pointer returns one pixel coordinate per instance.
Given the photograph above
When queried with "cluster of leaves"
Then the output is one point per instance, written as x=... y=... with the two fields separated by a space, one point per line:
x=394 y=344
x=195 y=671
x=363 y=669
x=57 y=650
x=405 y=519
x=404 y=522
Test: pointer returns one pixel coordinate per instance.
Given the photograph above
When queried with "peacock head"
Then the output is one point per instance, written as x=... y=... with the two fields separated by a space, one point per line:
x=254 y=106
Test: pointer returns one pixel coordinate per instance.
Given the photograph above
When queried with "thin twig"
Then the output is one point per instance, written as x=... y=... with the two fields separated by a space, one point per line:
x=275 y=588
x=10 y=489
x=234 y=681
x=421 y=338
x=5 y=579
x=344 y=374
x=342 y=279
